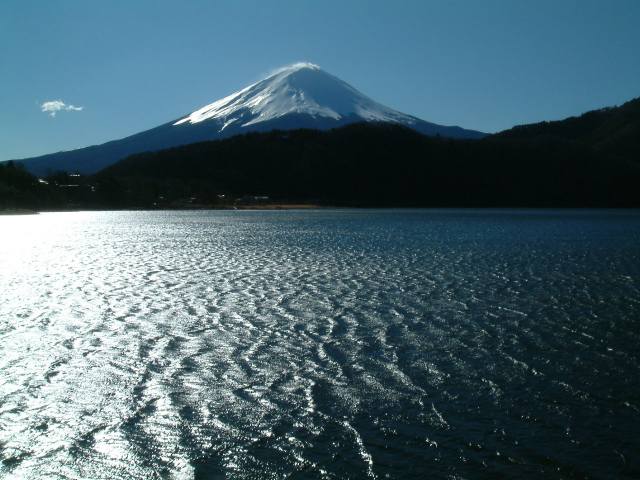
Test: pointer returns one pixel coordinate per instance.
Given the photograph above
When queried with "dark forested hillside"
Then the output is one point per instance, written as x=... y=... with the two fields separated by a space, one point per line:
x=389 y=165
x=611 y=130
x=21 y=190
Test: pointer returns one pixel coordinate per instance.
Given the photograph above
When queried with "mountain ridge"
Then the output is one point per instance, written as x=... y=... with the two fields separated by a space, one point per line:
x=301 y=95
x=591 y=160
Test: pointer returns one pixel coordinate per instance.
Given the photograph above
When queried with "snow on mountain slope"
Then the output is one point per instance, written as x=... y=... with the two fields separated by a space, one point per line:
x=301 y=95
x=301 y=88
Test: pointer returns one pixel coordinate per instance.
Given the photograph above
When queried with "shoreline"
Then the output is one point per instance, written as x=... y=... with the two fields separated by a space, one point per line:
x=18 y=211
x=307 y=206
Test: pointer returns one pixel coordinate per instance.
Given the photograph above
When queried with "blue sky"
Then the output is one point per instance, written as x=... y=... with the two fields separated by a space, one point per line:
x=124 y=66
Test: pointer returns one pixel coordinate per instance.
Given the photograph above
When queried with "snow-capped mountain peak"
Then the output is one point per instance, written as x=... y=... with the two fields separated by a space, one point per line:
x=301 y=95
x=301 y=88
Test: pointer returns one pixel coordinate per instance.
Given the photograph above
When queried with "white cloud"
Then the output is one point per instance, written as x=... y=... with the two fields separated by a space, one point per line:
x=54 y=106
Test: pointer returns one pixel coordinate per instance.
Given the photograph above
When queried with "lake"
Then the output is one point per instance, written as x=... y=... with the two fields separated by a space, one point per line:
x=320 y=344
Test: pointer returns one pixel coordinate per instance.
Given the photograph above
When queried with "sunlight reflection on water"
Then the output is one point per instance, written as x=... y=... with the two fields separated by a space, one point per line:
x=365 y=344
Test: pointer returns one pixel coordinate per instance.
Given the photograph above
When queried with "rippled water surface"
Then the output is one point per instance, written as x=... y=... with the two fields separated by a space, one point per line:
x=320 y=344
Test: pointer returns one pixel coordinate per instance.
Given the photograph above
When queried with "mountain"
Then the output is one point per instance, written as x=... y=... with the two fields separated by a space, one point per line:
x=587 y=161
x=298 y=96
